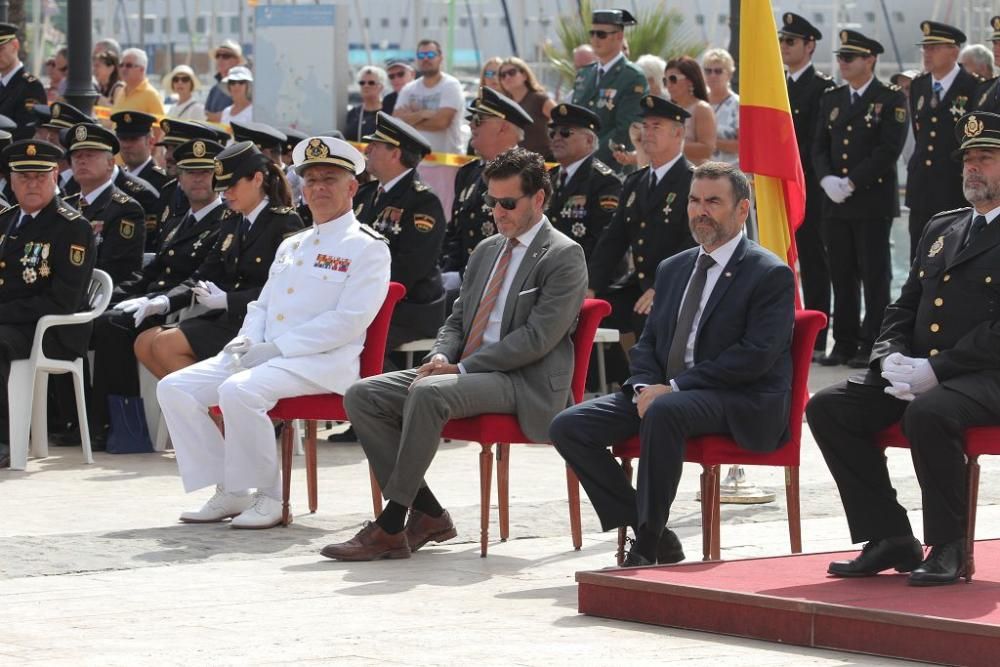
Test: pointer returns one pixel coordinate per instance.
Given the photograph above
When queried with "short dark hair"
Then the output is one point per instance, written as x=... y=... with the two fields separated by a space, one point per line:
x=524 y=163
x=437 y=44
x=737 y=179
x=409 y=158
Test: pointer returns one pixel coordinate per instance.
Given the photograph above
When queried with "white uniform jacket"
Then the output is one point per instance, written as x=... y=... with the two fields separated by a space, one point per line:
x=324 y=288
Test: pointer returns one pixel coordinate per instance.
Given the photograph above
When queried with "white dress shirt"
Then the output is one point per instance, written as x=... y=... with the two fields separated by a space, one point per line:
x=945 y=82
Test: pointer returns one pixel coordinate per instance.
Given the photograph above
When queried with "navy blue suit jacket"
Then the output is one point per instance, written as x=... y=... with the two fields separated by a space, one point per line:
x=743 y=345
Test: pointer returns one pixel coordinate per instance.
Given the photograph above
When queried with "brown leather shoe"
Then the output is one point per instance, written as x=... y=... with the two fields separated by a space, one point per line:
x=371 y=543
x=422 y=528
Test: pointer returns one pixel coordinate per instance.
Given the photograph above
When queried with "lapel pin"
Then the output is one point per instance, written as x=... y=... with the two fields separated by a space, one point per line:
x=729 y=274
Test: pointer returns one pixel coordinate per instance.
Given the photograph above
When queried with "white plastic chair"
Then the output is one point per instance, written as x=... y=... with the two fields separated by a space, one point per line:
x=29 y=379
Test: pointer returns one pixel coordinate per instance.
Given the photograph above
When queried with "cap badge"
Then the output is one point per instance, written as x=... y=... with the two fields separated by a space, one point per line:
x=81 y=133
x=56 y=110
x=996 y=22
x=317 y=149
x=650 y=102
x=563 y=110
x=843 y=35
x=789 y=19
x=31 y=151
x=926 y=27
x=127 y=118
x=218 y=168
x=165 y=126
x=198 y=149
x=973 y=127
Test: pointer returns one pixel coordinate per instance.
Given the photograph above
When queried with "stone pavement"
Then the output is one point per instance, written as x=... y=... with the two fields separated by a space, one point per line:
x=95 y=569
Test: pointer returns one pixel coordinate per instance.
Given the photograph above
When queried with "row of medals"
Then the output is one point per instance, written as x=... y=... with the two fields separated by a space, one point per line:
x=36 y=256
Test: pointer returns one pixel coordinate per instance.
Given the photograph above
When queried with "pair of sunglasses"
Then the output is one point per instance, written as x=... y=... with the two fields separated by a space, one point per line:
x=426 y=55
x=603 y=34
x=564 y=132
x=846 y=57
x=508 y=203
x=510 y=72
x=715 y=70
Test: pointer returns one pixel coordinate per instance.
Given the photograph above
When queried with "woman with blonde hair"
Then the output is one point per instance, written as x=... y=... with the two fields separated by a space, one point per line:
x=686 y=86
x=183 y=82
x=719 y=67
x=489 y=75
x=519 y=83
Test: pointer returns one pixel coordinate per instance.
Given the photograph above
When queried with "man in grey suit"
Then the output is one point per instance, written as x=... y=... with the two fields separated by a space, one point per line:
x=505 y=348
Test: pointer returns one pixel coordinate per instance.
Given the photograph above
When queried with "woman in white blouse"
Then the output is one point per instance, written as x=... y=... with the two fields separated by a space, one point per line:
x=240 y=82
x=183 y=82
x=718 y=66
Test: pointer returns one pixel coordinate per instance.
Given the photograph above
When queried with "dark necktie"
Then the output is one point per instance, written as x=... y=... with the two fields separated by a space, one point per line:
x=653 y=180
x=600 y=74
x=563 y=177
x=938 y=89
x=855 y=98
x=488 y=302
x=685 y=318
x=21 y=222
x=186 y=223
x=790 y=81
x=978 y=225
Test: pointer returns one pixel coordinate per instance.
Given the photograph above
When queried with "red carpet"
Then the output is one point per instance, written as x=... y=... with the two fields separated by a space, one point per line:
x=791 y=600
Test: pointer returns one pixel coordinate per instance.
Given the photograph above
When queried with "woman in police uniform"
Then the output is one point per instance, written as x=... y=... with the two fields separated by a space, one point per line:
x=235 y=270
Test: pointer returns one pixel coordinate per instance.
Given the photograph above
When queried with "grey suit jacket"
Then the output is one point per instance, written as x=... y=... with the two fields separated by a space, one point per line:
x=535 y=346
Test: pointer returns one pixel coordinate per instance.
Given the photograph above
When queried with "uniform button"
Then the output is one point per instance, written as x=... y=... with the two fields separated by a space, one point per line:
x=315 y=241
x=641 y=275
x=946 y=277
x=641 y=241
x=1 y=281
x=930 y=147
x=236 y=286
x=927 y=162
x=934 y=352
x=280 y=317
x=921 y=274
x=844 y=170
x=638 y=258
x=847 y=141
x=257 y=259
x=291 y=290
x=163 y=282
x=933 y=119
x=642 y=225
x=848 y=128
x=469 y=251
x=3 y=265
x=168 y=269
x=933 y=134
x=844 y=156
x=170 y=252
x=591 y=103
x=939 y=302
x=880 y=180
x=989 y=279
x=935 y=327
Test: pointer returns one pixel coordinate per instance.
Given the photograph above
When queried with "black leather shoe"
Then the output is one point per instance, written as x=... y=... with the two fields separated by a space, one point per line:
x=899 y=553
x=860 y=360
x=65 y=438
x=669 y=549
x=944 y=565
x=635 y=559
x=837 y=357
x=345 y=437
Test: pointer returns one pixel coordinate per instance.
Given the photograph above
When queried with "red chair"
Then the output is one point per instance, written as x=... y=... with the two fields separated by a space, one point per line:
x=503 y=429
x=978 y=441
x=711 y=451
x=329 y=406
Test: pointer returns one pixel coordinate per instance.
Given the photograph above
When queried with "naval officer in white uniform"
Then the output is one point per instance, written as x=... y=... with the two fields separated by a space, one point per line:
x=303 y=335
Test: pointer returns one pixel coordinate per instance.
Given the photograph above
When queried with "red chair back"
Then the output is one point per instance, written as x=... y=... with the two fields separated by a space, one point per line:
x=591 y=314
x=373 y=354
x=807 y=325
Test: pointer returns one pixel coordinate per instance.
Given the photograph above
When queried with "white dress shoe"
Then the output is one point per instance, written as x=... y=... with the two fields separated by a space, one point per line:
x=265 y=512
x=223 y=505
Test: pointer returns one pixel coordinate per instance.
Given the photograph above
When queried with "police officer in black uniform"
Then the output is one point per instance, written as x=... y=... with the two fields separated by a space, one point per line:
x=471 y=219
x=988 y=94
x=134 y=130
x=6 y=195
x=19 y=89
x=934 y=368
x=184 y=245
x=860 y=134
x=46 y=259
x=652 y=223
x=806 y=85
x=938 y=98
x=177 y=132
x=269 y=140
x=584 y=190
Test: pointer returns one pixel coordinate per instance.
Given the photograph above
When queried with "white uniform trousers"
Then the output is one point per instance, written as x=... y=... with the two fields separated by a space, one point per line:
x=247 y=457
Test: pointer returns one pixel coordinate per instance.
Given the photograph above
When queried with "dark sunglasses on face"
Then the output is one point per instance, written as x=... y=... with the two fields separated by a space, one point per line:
x=397 y=75
x=564 y=132
x=490 y=73
x=225 y=56
x=128 y=65
x=426 y=55
x=603 y=34
x=183 y=78
x=478 y=119
x=846 y=57
x=715 y=70
x=509 y=203
x=674 y=78
x=367 y=83
x=510 y=72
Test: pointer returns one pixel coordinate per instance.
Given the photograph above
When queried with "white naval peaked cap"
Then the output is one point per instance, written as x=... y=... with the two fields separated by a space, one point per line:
x=327 y=150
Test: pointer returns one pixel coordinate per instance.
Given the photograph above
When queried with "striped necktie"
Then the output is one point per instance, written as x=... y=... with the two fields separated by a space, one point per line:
x=489 y=300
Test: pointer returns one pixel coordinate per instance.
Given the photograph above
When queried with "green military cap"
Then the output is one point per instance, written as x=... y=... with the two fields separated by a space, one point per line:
x=612 y=17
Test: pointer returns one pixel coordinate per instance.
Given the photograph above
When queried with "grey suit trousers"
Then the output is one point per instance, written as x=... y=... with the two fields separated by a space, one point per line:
x=399 y=427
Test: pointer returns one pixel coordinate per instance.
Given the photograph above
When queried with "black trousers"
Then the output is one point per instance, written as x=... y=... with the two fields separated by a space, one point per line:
x=844 y=419
x=814 y=266
x=116 y=370
x=583 y=433
x=859 y=255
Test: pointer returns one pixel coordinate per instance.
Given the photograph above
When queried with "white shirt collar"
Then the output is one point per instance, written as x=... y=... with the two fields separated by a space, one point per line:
x=662 y=170
x=17 y=68
x=348 y=216
x=724 y=252
x=861 y=91
x=388 y=186
x=142 y=166
x=98 y=191
x=606 y=67
x=527 y=237
x=794 y=76
x=65 y=175
x=948 y=79
x=990 y=215
x=252 y=215
x=205 y=210
x=569 y=170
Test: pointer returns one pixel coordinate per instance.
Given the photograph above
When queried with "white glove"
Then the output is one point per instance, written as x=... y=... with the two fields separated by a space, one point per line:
x=894 y=362
x=210 y=295
x=844 y=185
x=238 y=346
x=155 y=306
x=900 y=390
x=258 y=354
x=132 y=305
x=832 y=186
x=916 y=373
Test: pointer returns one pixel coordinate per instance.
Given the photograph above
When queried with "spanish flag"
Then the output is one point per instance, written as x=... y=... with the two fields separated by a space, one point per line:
x=768 y=149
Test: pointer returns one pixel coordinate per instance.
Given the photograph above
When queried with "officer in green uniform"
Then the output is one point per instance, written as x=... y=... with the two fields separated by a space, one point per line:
x=938 y=98
x=860 y=134
x=584 y=190
x=612 y=86
x=46 y=259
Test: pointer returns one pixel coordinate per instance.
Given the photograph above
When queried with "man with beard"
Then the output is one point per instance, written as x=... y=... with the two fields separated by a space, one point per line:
x=714 y=357
x=934 y=369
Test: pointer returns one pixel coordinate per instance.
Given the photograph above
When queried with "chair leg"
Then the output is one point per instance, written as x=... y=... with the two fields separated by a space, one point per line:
x=794 y=514
x=709 y=511
x=970 y=517
x=20 y=395
x=622 y=531
x=376 y=492
x=503 y=488
x=716 y=514
x=81 y=412
x=287 y=442
x=310 y=445
x=39 y=416
x=485 y=482
x=573 y=497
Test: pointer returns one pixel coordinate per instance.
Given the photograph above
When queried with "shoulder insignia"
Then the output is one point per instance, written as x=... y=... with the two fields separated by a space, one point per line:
x=954 y=211
x=30 y=78
x=9 y=207
x=67 y=212
x=372 y=233
x=602 y=168
x=159 y=170
x=639 y=89
x=423 y=222
x=226 y=214
x=609 y=202
x=288 y=235
x=420 y=187
x=281 y=210
x=893 y=87
x=120 y=197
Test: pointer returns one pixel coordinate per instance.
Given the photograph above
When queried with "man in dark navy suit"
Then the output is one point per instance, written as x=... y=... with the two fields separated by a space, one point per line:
x=714 y=357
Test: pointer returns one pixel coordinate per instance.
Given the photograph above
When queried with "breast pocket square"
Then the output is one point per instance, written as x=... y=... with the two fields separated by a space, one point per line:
x=528 y=291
